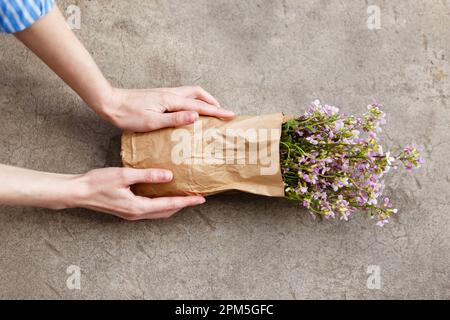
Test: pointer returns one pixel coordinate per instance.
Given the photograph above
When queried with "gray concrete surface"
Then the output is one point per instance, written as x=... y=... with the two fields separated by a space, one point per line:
x=256 y=57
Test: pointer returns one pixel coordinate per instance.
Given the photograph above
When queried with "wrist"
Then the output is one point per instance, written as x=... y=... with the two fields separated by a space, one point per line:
x=102 y=101
x=108 y=104
x=75 y=192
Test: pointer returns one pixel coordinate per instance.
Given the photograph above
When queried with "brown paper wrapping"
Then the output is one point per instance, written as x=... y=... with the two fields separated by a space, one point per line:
x=209 y=156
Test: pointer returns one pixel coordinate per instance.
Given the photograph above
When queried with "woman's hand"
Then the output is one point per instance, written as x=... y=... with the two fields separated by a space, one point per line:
x=108 y=190
x=135 y=110
x=151 y=109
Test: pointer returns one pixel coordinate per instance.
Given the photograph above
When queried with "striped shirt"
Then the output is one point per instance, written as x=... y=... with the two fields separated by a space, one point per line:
x=17 y=15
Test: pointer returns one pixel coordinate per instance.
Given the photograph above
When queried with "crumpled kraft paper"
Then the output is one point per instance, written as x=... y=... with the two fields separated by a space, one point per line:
x=210 y=156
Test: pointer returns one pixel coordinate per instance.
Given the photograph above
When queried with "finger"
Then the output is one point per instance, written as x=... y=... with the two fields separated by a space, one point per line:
x=132 y=176
x=174 y=119
x=201 y=94
x=157 y=205
x=178 y=103
x=197 y=92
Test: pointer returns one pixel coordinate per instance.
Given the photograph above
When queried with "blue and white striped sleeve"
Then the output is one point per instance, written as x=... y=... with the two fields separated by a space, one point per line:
x=17 y=15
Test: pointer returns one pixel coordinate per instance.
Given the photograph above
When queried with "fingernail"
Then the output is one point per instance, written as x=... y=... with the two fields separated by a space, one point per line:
x=166 y=175
x=229 y=112
x=203 y=200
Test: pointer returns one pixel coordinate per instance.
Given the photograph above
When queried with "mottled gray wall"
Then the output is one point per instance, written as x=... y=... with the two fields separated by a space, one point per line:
x=256 y=57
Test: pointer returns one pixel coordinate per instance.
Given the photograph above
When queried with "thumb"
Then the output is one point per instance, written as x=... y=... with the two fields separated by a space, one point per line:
x=176 y=119
x=132 y=176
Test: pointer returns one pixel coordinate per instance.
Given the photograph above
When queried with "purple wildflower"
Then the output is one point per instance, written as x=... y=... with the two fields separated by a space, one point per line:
x=334 y=164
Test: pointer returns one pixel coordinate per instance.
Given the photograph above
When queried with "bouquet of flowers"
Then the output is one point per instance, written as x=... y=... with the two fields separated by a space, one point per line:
x=334 y=164
x=331 y=163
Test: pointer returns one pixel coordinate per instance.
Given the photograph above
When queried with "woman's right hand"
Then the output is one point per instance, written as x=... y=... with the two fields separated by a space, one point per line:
x=108 y=190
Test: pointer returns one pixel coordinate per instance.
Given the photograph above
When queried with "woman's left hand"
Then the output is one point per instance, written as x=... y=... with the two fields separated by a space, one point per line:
x=150 y=109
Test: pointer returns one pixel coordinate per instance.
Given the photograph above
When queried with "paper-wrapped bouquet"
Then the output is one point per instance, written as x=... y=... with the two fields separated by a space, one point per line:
x=331 y=163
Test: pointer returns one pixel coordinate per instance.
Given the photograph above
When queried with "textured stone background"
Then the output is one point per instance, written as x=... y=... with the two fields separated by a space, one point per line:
x=256 y=57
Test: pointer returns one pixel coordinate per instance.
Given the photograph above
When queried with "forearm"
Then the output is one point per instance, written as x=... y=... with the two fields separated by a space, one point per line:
x=54 y=43
x=105 y=190
x=38 y=189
